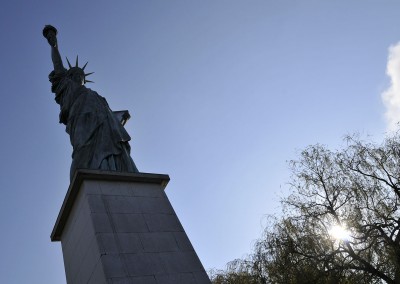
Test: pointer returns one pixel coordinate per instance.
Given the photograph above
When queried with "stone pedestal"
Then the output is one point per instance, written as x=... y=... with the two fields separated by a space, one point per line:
x=121 y=228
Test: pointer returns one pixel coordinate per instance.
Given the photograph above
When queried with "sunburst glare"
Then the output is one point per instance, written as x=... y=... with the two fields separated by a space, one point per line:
x=339 y=233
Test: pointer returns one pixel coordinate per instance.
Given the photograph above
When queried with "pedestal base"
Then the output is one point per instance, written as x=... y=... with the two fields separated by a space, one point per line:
x=121 y=228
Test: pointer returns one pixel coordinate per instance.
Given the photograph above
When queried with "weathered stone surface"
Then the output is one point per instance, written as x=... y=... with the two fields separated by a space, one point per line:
x=178 y=278
x=123 y=234
x=135 y=280
x=98 y=276
x=130 y=243
x=163 y=223
x=159 y=242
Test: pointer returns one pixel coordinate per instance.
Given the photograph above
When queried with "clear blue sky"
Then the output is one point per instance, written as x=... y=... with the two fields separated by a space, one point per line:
x=222 y=93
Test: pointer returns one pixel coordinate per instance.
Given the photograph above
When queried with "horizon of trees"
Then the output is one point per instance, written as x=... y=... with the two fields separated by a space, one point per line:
x=339 y=224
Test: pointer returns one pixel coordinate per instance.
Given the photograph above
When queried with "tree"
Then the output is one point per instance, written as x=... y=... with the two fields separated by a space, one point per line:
x=340 y=223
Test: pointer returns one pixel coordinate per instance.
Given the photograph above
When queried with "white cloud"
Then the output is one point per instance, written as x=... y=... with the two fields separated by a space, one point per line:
x=391 y=97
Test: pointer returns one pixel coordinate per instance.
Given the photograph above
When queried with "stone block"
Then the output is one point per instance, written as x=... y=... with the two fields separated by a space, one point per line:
x=183 y=241
x=123 y=204
x=163 y=223
x=135 y=280
x=142 y=264
x=79 y=219
x=155 y=205
x=180 y=262
x=159 y=242
x=124 y=280
x=98 y=276
x=147 y=190
x=129 y=223
x=101 y=223
x=129 y=243
x=76 y=242
x=73 y=256
x=113 y=266
x=87 y=264
x=96 y=203
x=177 y=278
x=107 y=243
x=201 y=277
x=90 y=187
x=116 y=188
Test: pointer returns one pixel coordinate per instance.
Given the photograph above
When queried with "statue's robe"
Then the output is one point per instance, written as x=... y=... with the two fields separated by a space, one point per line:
x=98 y=138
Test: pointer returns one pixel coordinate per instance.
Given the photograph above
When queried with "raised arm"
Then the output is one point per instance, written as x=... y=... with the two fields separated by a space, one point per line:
x=50 y=33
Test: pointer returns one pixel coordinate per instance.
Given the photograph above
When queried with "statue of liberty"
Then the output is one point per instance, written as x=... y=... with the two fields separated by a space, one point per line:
x=97 y=134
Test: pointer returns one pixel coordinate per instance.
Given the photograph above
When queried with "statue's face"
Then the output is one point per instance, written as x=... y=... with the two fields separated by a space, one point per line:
x=77 y=76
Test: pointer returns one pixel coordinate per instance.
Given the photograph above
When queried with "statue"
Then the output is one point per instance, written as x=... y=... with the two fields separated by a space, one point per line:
x=97 y=135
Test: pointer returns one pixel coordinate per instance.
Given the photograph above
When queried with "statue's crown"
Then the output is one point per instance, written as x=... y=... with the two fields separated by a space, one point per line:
x=76 y=69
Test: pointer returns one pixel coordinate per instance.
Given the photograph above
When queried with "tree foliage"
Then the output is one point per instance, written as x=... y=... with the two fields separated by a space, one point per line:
x=357 y=188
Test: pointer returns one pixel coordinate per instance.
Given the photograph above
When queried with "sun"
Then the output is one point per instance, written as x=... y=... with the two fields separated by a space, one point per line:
x=339 y=233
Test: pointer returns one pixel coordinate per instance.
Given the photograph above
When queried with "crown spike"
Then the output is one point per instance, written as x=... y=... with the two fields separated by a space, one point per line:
x=88 y=81
x=84 y=66
x=88 y=74
x=76 y=64
x=69 y=64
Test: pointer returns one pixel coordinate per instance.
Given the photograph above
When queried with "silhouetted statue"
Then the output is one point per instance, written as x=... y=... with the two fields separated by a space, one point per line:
x=97 y=135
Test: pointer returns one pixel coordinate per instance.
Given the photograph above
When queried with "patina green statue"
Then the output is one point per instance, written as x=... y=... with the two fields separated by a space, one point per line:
x=97 y=134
